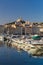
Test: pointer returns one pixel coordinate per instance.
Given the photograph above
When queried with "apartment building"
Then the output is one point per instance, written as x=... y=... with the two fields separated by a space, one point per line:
x=22 y=27
x=1 y=29
x=40 y=29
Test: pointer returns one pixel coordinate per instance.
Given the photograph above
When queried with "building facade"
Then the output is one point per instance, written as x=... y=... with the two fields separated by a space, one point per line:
x=21 y=27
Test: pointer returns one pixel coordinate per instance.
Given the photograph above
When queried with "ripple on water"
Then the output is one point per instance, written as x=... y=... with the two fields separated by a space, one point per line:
x=10 y=56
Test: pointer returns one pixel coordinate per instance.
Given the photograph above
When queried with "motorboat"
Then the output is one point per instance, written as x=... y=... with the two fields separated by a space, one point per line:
x=1 y=37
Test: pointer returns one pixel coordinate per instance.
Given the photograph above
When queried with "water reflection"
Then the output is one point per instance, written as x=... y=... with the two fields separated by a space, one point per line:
x=10 y=56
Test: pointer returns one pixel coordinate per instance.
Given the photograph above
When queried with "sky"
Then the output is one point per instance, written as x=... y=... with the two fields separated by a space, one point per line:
x=11 y=10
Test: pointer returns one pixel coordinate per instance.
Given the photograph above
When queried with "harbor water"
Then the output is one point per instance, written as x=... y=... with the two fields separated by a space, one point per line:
x=11 y=56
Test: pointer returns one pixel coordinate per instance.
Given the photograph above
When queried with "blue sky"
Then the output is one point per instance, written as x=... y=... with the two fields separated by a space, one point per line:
x=31 y=10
